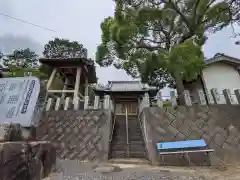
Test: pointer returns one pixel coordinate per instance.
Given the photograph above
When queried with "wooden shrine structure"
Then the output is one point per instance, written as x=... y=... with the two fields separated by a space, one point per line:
x=69 y=80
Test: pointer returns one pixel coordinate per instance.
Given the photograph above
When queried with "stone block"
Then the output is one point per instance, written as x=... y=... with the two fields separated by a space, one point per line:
x=219 y=140
x=173 y=130
x=161 y=131
x=165 y=123
x=180 y=137
x=36 y=159
x=199 y=123
x=184 y=130
x=232 y=140
x=206 y=138
x=177 y=123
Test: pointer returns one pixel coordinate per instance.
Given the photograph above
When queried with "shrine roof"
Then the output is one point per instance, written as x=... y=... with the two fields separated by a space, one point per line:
x=126 y=86
x=88 y=67
x=56 y=62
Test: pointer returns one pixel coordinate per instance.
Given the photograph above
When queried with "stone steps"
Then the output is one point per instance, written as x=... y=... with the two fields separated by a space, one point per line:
x=119 y=146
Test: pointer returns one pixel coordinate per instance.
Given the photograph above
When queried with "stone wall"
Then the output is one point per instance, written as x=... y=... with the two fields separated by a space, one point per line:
x=218 y=125
x=26 y=160
x=81 y=135
x=21 y=156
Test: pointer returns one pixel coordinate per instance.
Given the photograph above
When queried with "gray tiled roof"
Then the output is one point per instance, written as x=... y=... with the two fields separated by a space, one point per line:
x=126 y=86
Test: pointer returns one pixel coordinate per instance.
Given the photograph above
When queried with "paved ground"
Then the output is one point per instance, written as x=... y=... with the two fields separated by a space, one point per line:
x=74 y=170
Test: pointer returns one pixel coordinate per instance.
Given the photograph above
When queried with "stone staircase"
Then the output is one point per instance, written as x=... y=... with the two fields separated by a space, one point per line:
x=119 y=146
x=136 y=142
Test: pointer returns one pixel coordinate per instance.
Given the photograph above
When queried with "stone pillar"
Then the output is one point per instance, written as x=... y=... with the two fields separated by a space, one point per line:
x=76 y=103
x=173 y=98
x=86 y=99
x=66 y=105
x=159 y=99
x=210 y=97
x=57 y=105
x=237 y=93
x=146 y=100
x=201 y=96
x=96 y=102
x=216 y=96
x=187 y=98
x=228 y=96
x=106 y=101
x=49 y=104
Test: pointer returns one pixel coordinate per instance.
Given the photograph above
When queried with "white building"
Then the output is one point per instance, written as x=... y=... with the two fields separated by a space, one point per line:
x=221 y=72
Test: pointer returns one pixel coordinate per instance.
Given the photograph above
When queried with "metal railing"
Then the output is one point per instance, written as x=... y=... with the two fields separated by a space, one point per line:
x=113 y=127
x=143 y=132
x=126 y=113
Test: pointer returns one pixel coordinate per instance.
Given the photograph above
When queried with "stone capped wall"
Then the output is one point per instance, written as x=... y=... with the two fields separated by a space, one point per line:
x=81 y=135
x=218 y=125
x=26 y=160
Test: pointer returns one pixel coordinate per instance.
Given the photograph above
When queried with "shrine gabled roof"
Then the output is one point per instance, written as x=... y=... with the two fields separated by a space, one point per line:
x=66 y=61
x=126 y=86
x=89 y=69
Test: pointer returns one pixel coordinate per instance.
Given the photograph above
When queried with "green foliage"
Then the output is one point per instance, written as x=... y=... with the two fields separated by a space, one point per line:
x=62 y=48
x=19 y=72
x=21 y=61
x=21 y=58
x=167 y=103
x=160 y=40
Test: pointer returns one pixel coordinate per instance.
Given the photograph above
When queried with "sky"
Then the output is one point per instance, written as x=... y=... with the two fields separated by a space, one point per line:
x=77 y=20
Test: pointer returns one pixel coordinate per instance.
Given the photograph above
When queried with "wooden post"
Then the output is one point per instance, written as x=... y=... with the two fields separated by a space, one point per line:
x=86 y=86
x=64 y=88
x=77 y=83
x=49 y=83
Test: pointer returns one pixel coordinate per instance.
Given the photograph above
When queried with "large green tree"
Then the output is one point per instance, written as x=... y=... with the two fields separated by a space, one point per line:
x=62 y=48
x=22 y=58
x=21 y=61
x=161 y=40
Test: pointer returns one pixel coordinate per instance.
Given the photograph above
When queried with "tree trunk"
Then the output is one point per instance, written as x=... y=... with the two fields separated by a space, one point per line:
x=180 y=88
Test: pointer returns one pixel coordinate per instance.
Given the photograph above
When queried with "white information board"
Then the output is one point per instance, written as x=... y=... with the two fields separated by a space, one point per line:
x=18 y=98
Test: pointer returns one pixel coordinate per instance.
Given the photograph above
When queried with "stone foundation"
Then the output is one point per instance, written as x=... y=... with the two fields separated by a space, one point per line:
x=22 y=159
x=26 y=160
x=82 y=135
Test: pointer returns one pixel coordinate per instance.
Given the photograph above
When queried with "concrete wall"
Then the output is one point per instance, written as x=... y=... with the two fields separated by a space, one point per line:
x=81 y=135
x=221 y=76
x=218 y=125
